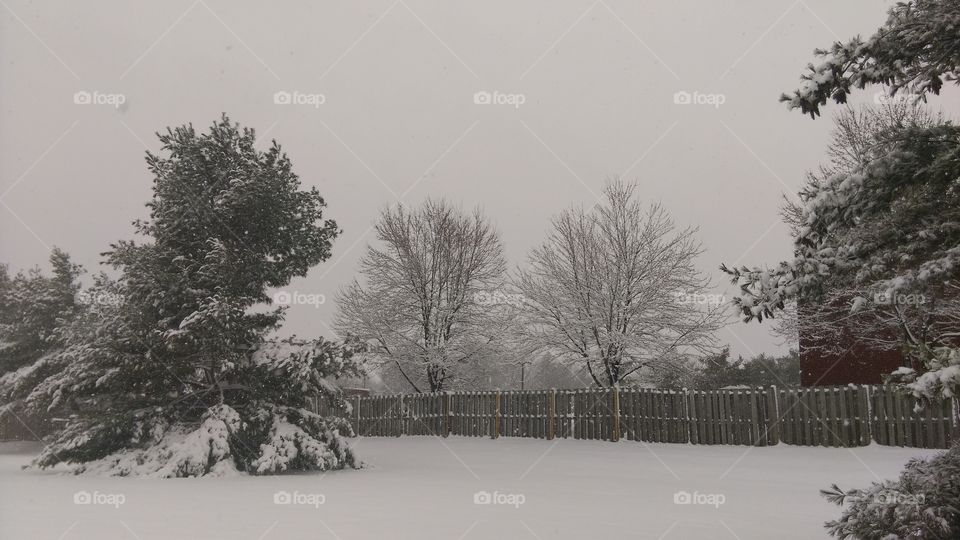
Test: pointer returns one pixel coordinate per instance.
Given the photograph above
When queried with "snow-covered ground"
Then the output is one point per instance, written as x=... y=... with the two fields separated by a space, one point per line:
x=421 y=487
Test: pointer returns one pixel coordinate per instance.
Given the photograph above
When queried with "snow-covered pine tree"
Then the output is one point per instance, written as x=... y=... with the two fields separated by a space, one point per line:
x=920 y=504
x=915 y=51
x=34 y=310
x=888 y=227
x=930 y=313
x=32 y=306
x=177 y=377
x=888 y=224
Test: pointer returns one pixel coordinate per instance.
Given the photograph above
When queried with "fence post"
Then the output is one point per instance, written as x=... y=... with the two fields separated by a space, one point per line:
x=615 y=434
x=446 y=414
x=496 y=417
x=552 y=414
x=400 y=417
x=772 y=431
x=954 y=433
x=356 y=410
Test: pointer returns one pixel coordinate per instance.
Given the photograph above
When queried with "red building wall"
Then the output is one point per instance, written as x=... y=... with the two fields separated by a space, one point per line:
x=858 y=364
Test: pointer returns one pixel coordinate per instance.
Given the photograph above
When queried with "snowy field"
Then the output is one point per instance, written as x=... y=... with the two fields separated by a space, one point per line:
x=425 y=488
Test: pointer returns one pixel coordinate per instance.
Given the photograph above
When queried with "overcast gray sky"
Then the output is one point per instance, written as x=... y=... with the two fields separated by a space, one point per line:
x=399 y=117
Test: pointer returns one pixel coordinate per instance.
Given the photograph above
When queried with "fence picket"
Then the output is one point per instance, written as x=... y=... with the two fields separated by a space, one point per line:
x=880 y=430
x=843 y=419
x=703 y=412
x=941 y=436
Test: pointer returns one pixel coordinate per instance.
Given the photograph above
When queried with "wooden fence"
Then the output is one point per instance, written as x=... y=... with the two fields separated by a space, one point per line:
x=839 y=416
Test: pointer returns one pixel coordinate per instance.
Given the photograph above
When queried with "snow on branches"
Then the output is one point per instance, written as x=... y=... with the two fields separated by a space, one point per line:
x=614 y=289
x=259 y=439
x=915 y=51
x=889 y=229
x=418 y=304
x=175 y=375
x=921 y=503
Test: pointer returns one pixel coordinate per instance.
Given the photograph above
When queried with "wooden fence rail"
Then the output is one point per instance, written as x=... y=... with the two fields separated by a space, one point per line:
x=838 y=416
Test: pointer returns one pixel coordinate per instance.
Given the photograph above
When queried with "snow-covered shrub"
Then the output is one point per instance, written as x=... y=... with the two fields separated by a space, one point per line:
x=160 y=449
x=924 y=503
x=260 y=439
x=300 y=440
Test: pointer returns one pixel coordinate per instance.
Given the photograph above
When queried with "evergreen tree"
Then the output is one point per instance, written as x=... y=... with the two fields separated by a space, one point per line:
x=32 y=307
x=915 y=51
x=890 y=228
x=177 y=377
x=34 y=310
x=721 y=370
x=921 y=503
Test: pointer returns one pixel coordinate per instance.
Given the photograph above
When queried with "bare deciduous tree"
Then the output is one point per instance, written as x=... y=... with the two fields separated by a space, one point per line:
x=615 y=289
x=417 y=305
